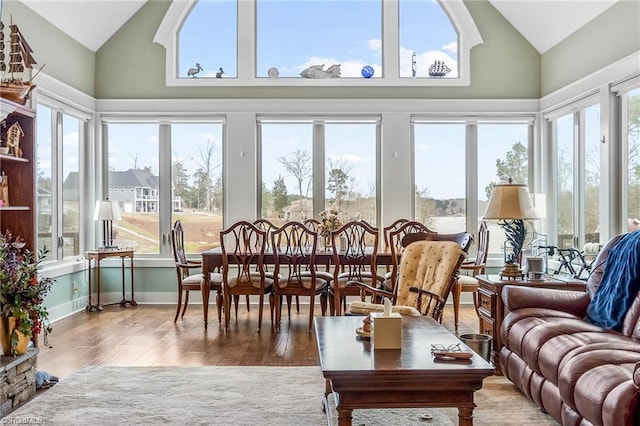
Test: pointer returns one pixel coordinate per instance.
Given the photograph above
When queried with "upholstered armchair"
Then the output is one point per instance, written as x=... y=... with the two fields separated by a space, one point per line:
x=427 y=272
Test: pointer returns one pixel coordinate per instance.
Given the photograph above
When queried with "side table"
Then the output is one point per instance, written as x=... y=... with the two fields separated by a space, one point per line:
x=491 y=307
x=97 y=256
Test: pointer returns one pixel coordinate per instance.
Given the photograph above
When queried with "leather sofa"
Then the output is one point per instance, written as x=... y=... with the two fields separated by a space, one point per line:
x=576 y=371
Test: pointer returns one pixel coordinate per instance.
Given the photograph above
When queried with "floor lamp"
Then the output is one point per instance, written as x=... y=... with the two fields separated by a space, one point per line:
x=511 y=205
x=107 y=211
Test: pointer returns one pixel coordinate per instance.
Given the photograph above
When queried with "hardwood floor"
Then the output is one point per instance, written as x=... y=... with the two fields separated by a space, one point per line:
x=146 y=335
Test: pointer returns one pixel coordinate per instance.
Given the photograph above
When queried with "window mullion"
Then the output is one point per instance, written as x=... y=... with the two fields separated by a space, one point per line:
x=246 y=40
x=56 y=187
x=390 y=39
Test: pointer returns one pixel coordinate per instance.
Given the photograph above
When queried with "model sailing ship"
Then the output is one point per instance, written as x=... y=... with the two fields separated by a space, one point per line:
x=20 y=64
x=438 y=69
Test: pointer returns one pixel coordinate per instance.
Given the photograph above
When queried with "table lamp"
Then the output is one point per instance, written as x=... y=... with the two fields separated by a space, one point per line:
x=511 y=205
x=107 y=212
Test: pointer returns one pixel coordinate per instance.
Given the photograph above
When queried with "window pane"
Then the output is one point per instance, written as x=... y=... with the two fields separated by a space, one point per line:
x=287 y=171
x=440 y=194
x=196 y=175
x=633 y=157
x=350 y=170
x=133 y=184
x=44 y=185
x=71 y=131
x=564 y=141
x=592 y=174
x=294 y=35
x=427 y=33
x=208 y=38
x=502 y=154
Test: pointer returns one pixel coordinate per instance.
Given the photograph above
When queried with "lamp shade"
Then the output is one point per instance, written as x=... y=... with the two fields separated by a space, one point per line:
x=106 y=210
x=510 y=201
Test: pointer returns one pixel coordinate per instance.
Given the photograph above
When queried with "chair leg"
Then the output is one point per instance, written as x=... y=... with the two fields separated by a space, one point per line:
x=297 y=304
x=260 y=310
x=186 y=303
x=312 y=302
x=323 y=303
x=248 y=304
x=219 y=306
x=289 y=298
x=236 y=299
x=227 y=314
x=455 y=291
x=179 y=304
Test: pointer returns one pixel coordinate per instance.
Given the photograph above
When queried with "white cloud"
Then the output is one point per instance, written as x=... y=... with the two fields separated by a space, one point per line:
x=451 y=47
x=375 y=45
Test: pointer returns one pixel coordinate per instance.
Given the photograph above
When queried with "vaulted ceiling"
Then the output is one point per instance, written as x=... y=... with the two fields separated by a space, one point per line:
x=544 y=23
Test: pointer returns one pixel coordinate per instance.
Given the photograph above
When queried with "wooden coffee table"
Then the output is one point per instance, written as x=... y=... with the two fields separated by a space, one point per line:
x=362 y=377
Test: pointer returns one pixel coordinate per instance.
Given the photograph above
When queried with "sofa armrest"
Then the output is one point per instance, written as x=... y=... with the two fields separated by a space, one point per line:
x=636 y=375
x=572 y=302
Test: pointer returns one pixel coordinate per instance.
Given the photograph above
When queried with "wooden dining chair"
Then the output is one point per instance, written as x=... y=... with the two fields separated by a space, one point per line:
x=427 y=270
x=188 y=281
x=355 y=263
x=468 y=282
x=243 y=247
x=294 y=254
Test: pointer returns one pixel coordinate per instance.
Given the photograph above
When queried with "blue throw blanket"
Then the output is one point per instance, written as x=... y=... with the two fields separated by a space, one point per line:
x=619 y=286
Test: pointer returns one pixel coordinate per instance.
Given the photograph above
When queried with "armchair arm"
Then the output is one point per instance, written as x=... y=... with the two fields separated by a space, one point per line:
x=636 y=375
x=572 y=302
x=377 y=294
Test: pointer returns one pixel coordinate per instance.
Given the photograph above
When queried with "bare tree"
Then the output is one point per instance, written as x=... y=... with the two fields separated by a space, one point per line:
x=298 y=165
x=206 y=168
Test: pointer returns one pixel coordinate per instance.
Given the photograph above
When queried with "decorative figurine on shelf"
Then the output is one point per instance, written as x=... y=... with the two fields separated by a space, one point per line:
x=14 y=133
x=4 y=189
x=220 y=73
x=438 y=69
x=367 y=71
x=193 y=71
x=317 y=71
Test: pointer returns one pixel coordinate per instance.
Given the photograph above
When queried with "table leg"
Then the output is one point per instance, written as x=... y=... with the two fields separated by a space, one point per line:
x=98 y=306
x=344 y=416
x=133 y=299
x=89 y=307
x=465 y=416
x=205 y=287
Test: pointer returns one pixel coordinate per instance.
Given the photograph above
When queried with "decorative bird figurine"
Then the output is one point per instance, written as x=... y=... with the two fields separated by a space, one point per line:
x=193 y=71
x=219 y=73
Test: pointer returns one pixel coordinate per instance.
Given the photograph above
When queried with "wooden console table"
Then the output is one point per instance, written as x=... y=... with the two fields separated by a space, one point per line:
x=97 y=256
x=491 y=307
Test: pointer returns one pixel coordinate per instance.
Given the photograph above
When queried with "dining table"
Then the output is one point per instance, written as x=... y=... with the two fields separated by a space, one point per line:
x=212 y=262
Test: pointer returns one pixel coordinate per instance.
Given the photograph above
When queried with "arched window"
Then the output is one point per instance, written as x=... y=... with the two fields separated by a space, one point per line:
x=317 y=43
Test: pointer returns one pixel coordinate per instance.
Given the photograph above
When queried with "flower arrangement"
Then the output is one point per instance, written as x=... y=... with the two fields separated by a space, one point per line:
x=21 y=290
x=329 y=222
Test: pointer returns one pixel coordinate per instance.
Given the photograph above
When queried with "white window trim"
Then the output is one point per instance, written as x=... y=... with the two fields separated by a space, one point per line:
x=167 y=35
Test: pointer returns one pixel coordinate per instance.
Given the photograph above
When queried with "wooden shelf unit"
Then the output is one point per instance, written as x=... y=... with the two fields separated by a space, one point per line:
x=19 y=215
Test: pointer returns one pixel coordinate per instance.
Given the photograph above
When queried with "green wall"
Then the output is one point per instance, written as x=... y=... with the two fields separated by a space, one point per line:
x=63 y=58
x=612 y=36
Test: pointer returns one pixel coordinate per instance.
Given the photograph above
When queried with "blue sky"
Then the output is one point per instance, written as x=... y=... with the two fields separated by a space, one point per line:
x=293 y=35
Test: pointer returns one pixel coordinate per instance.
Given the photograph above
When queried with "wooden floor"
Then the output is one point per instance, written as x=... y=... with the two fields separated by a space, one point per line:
x=146 y=335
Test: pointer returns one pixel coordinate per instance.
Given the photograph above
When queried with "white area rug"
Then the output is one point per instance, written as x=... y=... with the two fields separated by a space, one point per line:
x=103 y=395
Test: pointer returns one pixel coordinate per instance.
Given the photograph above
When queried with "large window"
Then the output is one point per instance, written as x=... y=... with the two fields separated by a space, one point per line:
x=293 y=36
x=317 y=42
x=564 y=182
x=440 y=192
x=428 y=41
x=208 y=41
x=447 y=186
x=631 y=126
x=60 y=136
x=340 y=155
x=141 y=155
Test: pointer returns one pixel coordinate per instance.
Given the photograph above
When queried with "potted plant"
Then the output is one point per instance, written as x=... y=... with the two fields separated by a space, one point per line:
x=22 y=291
